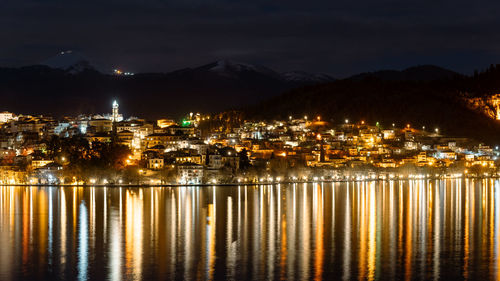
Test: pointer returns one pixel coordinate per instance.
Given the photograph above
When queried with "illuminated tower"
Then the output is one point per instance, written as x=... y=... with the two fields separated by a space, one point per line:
x=115 y=111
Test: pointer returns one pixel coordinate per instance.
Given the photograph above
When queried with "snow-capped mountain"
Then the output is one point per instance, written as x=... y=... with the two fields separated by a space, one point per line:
x=236 y=70
x=305 y=77
x=233 y=69
x=212 y=87
x=70 y=61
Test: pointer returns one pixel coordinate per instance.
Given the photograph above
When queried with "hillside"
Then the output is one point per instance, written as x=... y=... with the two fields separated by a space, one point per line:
x=415 y=73
x=434 y=104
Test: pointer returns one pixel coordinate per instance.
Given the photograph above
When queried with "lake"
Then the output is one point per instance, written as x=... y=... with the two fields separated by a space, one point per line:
x=422 y=229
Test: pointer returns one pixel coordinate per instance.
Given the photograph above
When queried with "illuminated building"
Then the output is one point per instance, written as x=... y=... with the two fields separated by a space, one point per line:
x=6 y=116
x=126 y=137
x=100 y=126
x=190 y=173
x=40 y=163
x=156 y=163
x=115 y=112
x=164 y=123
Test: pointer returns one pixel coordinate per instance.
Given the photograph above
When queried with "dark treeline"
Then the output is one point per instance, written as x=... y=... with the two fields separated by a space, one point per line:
x=86 y=160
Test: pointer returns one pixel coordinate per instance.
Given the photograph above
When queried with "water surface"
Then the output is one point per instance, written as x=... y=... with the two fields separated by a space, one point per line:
x=426 y=229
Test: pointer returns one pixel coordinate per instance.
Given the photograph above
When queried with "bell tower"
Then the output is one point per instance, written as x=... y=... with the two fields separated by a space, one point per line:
x=115 y=111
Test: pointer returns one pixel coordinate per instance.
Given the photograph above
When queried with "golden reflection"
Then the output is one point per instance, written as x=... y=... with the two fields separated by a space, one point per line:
x=319 y=222
x=63 y=227
x=346 y=270
x=466 y=230
x=410 y=213
x=210 y=247
x=356 y=230
x=42 y=225
x=26 y=226
x=372 y=216
x=496 y=195
x=363 y=224
x=133 y=233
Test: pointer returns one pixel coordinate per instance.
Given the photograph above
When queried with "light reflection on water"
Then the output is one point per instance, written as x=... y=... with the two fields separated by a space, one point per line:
x=356 y=230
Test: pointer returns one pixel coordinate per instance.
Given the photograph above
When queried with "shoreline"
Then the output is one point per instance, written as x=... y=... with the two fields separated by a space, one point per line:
x=257 y=183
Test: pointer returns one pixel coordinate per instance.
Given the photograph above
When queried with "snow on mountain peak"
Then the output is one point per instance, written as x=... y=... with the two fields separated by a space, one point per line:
x=73 y=62
x=230 y=68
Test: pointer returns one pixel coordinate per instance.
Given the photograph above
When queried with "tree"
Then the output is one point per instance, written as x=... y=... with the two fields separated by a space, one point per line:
x=244 y=161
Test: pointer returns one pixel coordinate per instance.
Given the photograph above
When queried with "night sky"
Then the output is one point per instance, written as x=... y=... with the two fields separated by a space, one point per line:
x=335 y=37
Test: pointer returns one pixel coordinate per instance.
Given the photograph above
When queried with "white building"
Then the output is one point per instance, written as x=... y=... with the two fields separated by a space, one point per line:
x=6 y=116
x=190 y=173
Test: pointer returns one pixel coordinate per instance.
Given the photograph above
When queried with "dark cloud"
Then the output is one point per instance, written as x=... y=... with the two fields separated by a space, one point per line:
x=336 y=37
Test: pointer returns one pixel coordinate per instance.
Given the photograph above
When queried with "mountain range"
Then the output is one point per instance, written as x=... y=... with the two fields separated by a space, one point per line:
x=58 y=88
x=70 y=84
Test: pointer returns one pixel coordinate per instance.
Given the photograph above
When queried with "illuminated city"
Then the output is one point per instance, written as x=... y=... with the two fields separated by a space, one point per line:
x=43 y=150
x=249 y=140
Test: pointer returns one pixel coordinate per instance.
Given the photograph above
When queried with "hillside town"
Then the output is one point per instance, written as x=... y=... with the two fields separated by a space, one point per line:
x=109 y=149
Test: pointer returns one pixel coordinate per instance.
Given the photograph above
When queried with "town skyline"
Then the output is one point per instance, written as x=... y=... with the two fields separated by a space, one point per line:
x=226 y=149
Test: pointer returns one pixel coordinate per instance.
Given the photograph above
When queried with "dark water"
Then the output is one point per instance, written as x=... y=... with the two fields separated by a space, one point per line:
x=374 y=230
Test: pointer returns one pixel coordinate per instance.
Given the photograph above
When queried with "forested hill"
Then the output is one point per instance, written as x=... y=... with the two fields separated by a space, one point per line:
x=434 y=104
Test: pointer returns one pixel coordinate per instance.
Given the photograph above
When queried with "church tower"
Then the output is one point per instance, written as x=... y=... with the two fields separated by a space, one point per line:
x=115 y=111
